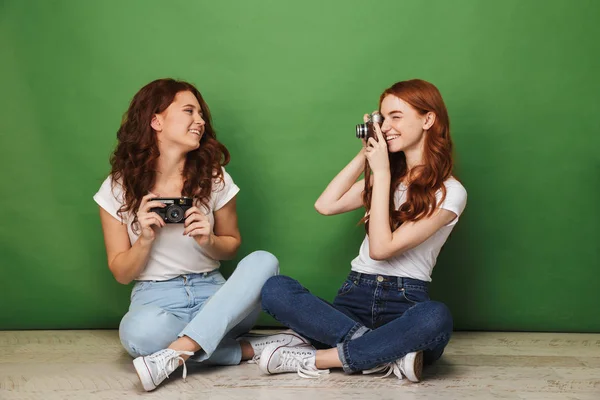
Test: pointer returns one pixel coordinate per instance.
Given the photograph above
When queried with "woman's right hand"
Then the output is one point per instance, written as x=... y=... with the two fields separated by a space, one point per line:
x=149 y=221
x=364 y=141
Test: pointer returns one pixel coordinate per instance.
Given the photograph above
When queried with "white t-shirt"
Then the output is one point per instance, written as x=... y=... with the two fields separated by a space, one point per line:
x=172 y=253
x=418 y=262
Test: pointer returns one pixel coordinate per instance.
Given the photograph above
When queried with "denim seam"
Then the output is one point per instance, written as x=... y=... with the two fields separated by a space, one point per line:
x=359 y=332
x=342 y=354
x=352 y=331
x=407 y=299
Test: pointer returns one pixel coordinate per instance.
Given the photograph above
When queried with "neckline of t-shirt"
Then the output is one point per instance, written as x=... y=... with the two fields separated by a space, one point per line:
x=403 y=186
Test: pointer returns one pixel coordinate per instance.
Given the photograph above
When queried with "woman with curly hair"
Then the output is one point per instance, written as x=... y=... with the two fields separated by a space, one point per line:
x=382 y=317
x=181 y=307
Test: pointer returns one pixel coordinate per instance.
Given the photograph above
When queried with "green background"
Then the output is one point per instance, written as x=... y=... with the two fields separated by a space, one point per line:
x=287 y=82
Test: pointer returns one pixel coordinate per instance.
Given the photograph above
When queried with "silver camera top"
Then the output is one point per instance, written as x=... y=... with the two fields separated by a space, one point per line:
x=376 y=117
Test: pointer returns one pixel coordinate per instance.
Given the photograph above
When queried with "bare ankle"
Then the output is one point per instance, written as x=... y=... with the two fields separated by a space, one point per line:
x=185 y=343
x=247 y=350
x=326 y=359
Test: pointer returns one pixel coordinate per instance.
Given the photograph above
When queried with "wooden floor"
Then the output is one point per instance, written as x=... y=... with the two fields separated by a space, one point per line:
x=91 y=364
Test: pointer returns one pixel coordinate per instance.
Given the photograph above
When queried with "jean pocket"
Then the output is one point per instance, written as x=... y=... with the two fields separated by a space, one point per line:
x=415 y=294
x=138 y=287
x=218 y=279
x=346 y=288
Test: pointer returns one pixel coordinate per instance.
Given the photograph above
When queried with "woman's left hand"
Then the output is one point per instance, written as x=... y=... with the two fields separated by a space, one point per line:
x=197 y=226
x=377 y=152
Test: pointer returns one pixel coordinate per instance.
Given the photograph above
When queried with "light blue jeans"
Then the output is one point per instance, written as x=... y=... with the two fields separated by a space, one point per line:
x=211 y=311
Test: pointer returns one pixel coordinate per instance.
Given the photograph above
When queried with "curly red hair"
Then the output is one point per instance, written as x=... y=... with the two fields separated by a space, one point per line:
x=424 y=180
x=134 y=160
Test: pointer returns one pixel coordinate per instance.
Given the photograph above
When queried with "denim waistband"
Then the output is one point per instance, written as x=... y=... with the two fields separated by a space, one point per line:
x=387 y=279
x=186 y=277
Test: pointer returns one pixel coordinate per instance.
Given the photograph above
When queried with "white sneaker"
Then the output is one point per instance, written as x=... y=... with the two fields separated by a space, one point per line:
x=260 y=341
x=155 y=368
x=277 y=358
x=409 y=366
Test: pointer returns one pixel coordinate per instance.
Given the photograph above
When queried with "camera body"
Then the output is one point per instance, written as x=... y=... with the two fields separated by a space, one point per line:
x=175 y=210
x=366 y=130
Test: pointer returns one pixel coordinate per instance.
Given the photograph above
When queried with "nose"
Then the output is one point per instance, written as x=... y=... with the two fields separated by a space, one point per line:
x=199 y=120
x=385 y=126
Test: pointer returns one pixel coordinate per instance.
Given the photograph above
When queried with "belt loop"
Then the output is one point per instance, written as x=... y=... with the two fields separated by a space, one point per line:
x=400 y=283
x=357 y=279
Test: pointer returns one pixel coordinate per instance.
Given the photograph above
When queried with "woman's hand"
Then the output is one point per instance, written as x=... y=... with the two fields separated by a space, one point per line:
x=377 y=152
x=197 y=226
x=364 y=141
x=149 y=221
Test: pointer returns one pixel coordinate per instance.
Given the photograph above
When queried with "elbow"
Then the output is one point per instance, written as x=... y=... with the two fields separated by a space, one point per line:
x=120 y=277
x=378 y=255
x=234 y=251
x=321 y=209
x=123 y=280
x=230 y=256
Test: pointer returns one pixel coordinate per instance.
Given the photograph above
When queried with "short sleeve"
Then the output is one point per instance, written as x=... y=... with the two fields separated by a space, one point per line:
x=224 y=191
x=110 y=199
x=456 y=199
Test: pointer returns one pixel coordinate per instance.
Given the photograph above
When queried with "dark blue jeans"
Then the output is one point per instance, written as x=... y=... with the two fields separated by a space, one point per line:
x=373 y=320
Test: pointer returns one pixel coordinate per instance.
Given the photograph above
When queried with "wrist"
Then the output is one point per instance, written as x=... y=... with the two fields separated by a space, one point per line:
x=360 y=159
x=145 y=242
x=382 y=173
x=211 y=240
x=205 y=242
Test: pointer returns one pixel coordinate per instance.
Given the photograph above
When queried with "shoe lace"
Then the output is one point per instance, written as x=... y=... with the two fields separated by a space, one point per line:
x=169 y=358
x=294 y=361
x=389 y=368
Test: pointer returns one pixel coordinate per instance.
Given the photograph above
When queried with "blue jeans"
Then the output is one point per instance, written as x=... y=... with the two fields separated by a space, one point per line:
x=204 y=307
x=373 y=320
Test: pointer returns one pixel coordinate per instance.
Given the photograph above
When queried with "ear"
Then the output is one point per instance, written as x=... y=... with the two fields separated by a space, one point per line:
x=156 y=123
x=429 y=121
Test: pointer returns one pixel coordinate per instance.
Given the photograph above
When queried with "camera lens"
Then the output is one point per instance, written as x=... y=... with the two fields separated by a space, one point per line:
x=361 y=131
x=174 y=214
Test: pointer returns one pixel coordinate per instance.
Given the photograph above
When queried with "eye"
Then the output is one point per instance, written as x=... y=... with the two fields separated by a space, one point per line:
x=189 y=111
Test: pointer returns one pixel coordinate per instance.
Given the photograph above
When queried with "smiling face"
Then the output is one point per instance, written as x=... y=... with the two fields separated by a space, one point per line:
x=403 y=127
x=181 y=124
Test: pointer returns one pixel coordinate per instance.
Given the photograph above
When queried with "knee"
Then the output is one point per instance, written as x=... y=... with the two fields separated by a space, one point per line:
x=262 y=262
x=274 y=290
x=439 y=318
x=146 y=330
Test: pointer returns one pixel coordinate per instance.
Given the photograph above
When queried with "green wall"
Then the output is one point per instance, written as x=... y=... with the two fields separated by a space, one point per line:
x=287 y=82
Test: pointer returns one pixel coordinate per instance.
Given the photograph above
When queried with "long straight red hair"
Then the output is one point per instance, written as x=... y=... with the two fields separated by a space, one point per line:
x=424 y=180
